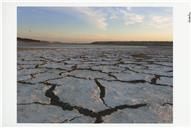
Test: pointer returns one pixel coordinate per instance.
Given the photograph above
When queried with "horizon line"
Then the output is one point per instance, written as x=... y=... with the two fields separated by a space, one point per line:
x=32 y=39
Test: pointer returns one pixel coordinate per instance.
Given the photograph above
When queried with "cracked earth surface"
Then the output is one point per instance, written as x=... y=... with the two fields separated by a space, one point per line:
x=93 y=84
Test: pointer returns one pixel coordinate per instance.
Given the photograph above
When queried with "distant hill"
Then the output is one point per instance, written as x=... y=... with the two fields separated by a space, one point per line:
x=139 y=43
x=28 y=40
x=25 y=42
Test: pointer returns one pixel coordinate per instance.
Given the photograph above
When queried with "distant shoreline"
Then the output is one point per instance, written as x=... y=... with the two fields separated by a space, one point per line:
x=27 y=41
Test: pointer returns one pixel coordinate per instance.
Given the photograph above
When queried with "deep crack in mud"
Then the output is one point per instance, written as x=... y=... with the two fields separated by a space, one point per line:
x=54 y=100
x=102 y=91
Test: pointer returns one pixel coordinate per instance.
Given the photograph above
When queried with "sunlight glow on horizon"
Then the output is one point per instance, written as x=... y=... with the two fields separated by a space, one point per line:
x=87 y=24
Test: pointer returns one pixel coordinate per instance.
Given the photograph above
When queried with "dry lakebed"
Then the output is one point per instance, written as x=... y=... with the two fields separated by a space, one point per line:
x=95 y=84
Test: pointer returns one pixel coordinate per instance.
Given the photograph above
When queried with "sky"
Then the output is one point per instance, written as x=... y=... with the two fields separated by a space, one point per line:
x=88 y=24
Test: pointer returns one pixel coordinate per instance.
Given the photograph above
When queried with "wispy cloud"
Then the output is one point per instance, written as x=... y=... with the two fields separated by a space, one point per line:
x=94 y=16
x=130 y=17
x=160 y=21
x=113 y=17
x=127 y=16
x=100 y=17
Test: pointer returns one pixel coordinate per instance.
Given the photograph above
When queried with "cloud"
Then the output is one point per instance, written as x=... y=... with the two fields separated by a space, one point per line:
x=161 y=21
x=127 y=16
x=130 y=17
x=94 y=16
x=100 y=17
x=113 y=17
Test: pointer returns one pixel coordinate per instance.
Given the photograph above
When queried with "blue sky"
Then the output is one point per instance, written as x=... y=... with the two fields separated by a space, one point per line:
x=87 y=24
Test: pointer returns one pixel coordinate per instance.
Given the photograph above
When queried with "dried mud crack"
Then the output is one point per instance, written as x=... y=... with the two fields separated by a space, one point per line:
x=102 y=91
x=68 y=120
x=54 y=100
x=167 y=104
x=33 y=103
x=135 y=82
x=25 y=82
x=141 y=72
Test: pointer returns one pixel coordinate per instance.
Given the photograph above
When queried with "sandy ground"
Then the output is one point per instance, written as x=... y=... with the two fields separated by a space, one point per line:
x=101 y=84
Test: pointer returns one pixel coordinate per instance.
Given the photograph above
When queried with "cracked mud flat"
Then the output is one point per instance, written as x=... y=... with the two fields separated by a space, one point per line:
x=95 y=84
